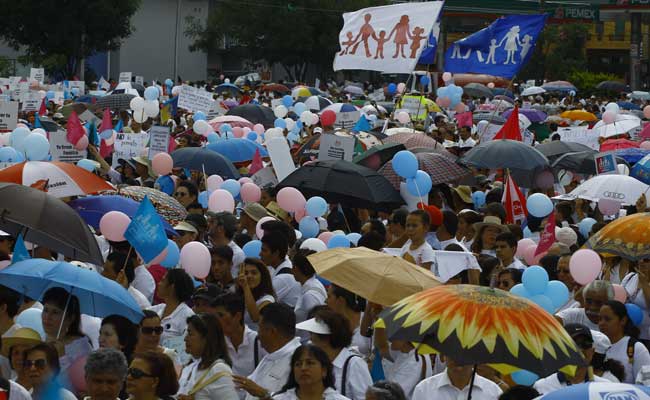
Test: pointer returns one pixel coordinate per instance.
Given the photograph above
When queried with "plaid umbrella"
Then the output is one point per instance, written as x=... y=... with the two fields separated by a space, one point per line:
x=115 y=102
x=412 y=140
x=440 y=168
x=166 y=206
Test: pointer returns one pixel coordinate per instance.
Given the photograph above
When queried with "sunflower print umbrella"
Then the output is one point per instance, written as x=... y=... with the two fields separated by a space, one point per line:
x=479 y=325
x=627 y=237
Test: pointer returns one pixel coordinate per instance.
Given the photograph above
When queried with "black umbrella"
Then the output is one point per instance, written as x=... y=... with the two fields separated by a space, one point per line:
x=344 y=182
x=201 y=159
x=115 y=102
x=613 y=86
x=582 y=162
x=556 y=148
x=254 y=113
x=523 y=161
x=477 y=90
x=46 y=221
x=377 y=156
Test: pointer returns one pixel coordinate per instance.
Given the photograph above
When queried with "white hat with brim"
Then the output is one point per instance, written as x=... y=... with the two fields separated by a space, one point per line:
x=315 y=326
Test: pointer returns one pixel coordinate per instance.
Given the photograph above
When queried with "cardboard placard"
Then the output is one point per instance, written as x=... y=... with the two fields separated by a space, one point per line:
x=193 y=99
x=128 y=145
x=278 y=149
x=37 y=74
x=125 y=77
x=8 y=115
x=265 y=178
x=333 y=147
x=158 y=140
x=62 y=150
x=605 y=163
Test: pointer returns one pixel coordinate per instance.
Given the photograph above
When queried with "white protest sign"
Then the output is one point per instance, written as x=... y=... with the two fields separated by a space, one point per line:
x=20 y=90
x=278 y=149
x=62 y=150
x=31 y=101
x=8 y=115
x=334 y=147
x=158 y=140
x=193 y=99
x=58 y=98
x=265 y=178
x=103 y=84
x=128 y=145
x=81 y=85
x=125 y=77
x=215 y=111
x=139 y=80
x=579 y=134
x=37 y=74
x=14 y=80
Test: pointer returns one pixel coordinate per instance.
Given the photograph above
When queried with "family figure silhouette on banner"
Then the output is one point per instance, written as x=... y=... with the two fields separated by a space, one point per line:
x=511 y=46
x=402 y=35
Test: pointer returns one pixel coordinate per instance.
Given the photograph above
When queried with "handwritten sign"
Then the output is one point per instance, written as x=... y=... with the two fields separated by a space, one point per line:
x=193 y=99
x=62 y=150
x=158 y=140
x=31 y=101
x=8 y=115
x=128 y=145
x=37 y=74
x=579 y=134
x=333 y=147
x=125 y=77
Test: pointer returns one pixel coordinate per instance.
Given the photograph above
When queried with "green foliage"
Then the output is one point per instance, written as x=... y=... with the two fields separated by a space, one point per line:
x=294 y=34
x=586 y=81
x=58 y=34
x=7 y=67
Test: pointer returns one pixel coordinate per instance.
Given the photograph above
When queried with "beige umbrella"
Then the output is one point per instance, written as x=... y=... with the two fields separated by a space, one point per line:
x=375 y=276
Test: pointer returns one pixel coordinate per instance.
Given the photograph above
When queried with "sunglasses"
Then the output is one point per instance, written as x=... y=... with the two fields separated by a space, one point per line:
x=149 y=330
x=136 y=373
x=180 y=194
x=39 y=364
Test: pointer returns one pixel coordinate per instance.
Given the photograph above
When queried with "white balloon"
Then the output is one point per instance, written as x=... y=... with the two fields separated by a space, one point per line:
x=290 y=123
x=313 y=244
x=227 y=80
x=139 y=116
x=137 y=103
x=40 y=131
x=305 y=117
x=314 y=119
x=201 y=127
x=612 y=107
x=151 y=108
x=280 y=111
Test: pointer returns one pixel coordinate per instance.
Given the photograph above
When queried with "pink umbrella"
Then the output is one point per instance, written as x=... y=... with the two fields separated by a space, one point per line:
x=231 y=120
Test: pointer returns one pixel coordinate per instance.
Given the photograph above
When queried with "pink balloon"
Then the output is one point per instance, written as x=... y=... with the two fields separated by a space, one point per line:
x=460 y=108
x=195 y=259
x=403 y=117
x=159 y=258
x=522 y=245
x=250 y=192
x=646 y=112
x=325 y=236
x=221 y=200
x=609 y=117
x=530 y=257
x=258 y=228
x=446 y=76
x=608 y=206
x=619 y=293
x=77 y=374
x=401 y=87
x=300 y=214
x=238 y=132
x=214 y=182
x=259 y=129
x=290 y=199
x=113 y=225
x=82 y=144
x=246 y=130
x=443 y=102
x=245 y=179
x=645 y=145
x=585 y=266
x=162 y=164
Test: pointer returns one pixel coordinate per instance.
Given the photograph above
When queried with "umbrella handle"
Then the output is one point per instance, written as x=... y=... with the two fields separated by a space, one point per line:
x=65 y=309
x=471 y=382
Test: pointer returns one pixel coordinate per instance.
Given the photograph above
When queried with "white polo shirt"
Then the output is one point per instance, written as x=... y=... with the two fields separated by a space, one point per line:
x=243 y=357
x=357 y=376
x=287 y=289
x=439 y=387
x=312 y=294
x=274 y=369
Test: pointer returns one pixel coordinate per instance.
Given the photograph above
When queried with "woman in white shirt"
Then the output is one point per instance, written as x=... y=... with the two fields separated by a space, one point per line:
x=209 y=376
x=615 y=323
x=350 y=306
x=311 y=376
x=255 y=284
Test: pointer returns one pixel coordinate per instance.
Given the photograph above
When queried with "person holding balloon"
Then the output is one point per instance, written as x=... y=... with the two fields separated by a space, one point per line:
x=416 y=249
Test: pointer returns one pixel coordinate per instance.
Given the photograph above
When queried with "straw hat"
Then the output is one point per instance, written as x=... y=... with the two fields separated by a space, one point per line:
x=491 y=221
x=26 y=336
x=465 y=193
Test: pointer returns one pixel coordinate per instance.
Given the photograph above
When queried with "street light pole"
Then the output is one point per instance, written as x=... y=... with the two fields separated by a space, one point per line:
x=176 y=37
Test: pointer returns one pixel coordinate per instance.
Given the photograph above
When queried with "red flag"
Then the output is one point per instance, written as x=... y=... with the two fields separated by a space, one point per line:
x=104 y=149
x=74 y=129
x=107 y=122
x=42 y=111
x=547 y=238
x=510 y=130
x=256 y=165
x=172 y=144
x=514 y=202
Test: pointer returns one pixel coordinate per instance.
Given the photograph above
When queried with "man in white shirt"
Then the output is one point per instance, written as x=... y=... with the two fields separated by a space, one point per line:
x=221 y=229
x=274 y=255
x=506 y=248
x=312 y=291
x=447 y=231
x=454 y=383
x=277 y=330
x=595 y=295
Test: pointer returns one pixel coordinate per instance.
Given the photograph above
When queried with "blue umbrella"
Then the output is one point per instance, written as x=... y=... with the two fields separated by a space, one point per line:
x=98 y=296
x=627 y=105
x=237 y=150
x=600 y=391
x=93 y=208
x=631 y=155
x=228 y=87
x=202 y=159
x=641 y=170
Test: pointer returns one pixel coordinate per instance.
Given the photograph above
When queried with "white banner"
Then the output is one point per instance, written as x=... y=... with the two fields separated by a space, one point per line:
x=128 y=145
x=158 y=140
x=388 y=38
x=8 y=115
x=193 y=99
x=81 y=85
x=579 y=134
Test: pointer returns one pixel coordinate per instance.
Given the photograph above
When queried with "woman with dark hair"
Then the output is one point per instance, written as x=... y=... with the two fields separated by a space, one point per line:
x=148 y=337
x=41 y=364
x=117 y=333
x=255 y=285
x=209 y=376
x=311 y=376
x=151 y=376
x=174 y=290
x=616 y=324
x=385 y=390
x=350 y=306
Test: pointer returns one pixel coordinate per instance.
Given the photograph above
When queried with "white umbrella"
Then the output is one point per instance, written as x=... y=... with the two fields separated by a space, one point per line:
x=533 y=90
x=370 y=109
x=621 y=188
x=623 y=124
x=639 y=95
x=353 y=90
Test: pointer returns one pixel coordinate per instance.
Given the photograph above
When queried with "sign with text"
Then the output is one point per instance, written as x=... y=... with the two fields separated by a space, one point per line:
x=158 y=140
x=333 y=147
x=19 y=90
x=81 y=85
x=37 y=74
x=605 y=163
x=62 y=150
x=139 y=80
x=31 y=101
x=128 y=145
x=579 y=134
x=8 y=115
x=193 y=99
x=125 y=77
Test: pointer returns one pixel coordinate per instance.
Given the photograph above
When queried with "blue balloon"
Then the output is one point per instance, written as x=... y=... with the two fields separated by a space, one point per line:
x=74 y=91
x=252 y=136
x=316 y=206
x=308 y=227
x=539 y=205
x=50 y=94
x=86 y=164
x=353 y=238
x=585 y=226
x=635 y=313
x=203 y=199
x=31 y=318
x=535 y=279
x=524 y=377
x=544 y=302
x=405 y=164
x=299 y=108
x=558 y=293
x=520 y=290
x=232 y=186
x=225 y=128
x=338 y=241
x=9 y=155
x=37 y=147
x=106 y=134
x=424 y=80
x=420 y=185
x=443 y=91
x=169 y=82
x=527 y=233
x=213 y=137
x=151 y=93
x=392 y=88
x=252 y=248
x=478 y=198
x=199 y=116
x=165 y=184
x=17 y=138
x=173 y=255
x=280 y=123
x=287 y=100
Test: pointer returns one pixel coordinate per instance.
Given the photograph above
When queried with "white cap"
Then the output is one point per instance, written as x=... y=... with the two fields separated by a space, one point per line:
x=601 y=342
x=315 y=326
x=566 y=236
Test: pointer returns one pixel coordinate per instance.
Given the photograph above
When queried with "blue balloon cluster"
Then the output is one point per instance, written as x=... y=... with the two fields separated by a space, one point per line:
x=337 y=241
x=37 y=147
x=316 y=206
x=199 y=116
x=280 y=123
x=539 y=205
x=173 y=255
x=536 y=287
x=353 y=238
x=287 y=100
x=309 y=227
x=405 y=164
x=452 y=91
x=10 y=155
x=585 y=226
x=420 y=185
x=253 y=248
x=252 y=136
x=478 y=198
x=391 y=89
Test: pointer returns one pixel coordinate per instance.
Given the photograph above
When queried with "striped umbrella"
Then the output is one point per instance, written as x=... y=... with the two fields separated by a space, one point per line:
x=115 y=102
x=440 y=168
x=315 y=103
x=346 y=114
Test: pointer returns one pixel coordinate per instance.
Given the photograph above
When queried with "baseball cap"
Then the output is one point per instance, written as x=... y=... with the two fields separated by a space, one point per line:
x=315 y=326
x=435 y=215
x=207 y=292
x=256 y=211
x=566 y=236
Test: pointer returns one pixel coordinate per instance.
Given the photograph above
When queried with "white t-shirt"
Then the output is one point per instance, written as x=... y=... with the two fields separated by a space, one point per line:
x=247 y=317
x=618 y=351
x=422 y=255
x=635 y=295
x=577 y=316
x=552 y=383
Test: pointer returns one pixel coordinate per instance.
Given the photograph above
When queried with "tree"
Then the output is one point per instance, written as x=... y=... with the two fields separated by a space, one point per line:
x=60 y=34
x=294 y=35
